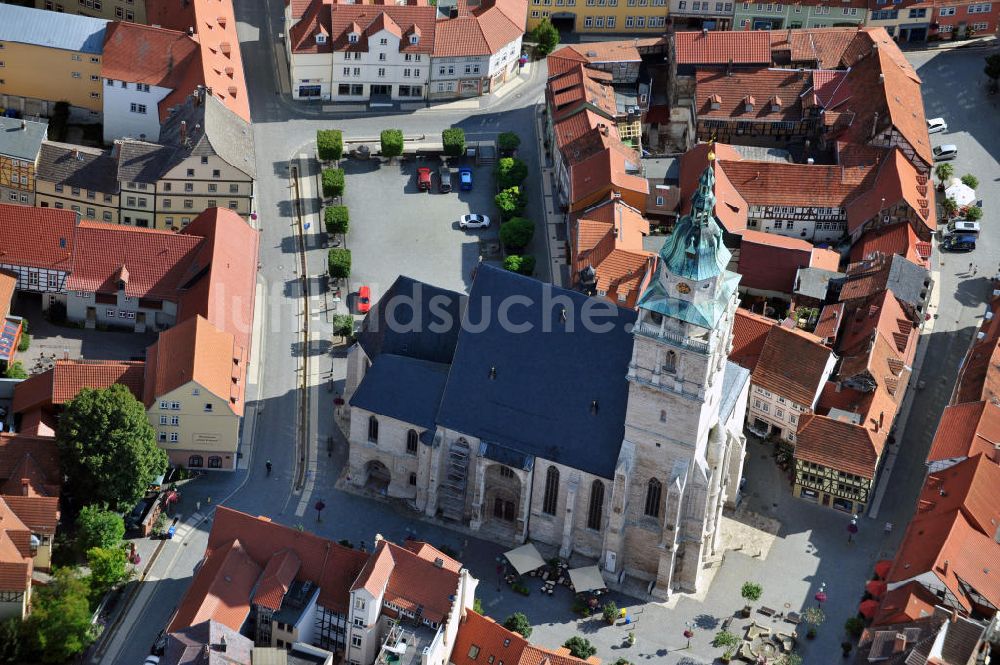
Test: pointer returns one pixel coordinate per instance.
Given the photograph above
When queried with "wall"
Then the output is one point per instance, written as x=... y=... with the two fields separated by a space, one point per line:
x=102 y=207
x=22 y=62
x=569 y=524
x=119 y=119
x=15 y=608
x=110 y=314
x=17 y=179
x=368 y=66
x=233 y=190
x=652 y=12
x=311 y=69
x=199 y=432
x=390 y=450
x=766 y=406
x=137 y=201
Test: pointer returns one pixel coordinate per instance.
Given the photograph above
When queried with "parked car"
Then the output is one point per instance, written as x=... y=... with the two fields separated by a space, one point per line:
x=959 y=243
x=473 y=222
x=364 y=299
x=151 y=660
x=465 y=177
x=424 y=179
x=444 y=176
x=943 y=152
x=936 y=126
x=960 y=227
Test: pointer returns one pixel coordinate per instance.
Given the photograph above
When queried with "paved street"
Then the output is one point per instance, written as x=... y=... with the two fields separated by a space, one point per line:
x=811 y=545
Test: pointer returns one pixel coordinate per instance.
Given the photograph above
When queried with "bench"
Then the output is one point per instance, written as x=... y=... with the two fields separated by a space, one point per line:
x=793 y=617
x=766 y=611
x=728 y=622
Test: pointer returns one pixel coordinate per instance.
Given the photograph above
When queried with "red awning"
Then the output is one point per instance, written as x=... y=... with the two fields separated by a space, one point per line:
x=868 y=608
x=882 y=568
x=875 y=588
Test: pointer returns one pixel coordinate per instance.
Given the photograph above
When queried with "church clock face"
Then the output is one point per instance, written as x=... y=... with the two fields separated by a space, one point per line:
x=683 y=288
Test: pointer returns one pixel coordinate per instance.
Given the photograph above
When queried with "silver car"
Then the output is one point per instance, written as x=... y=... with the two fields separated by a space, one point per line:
x=473 y=222
x=936 y=126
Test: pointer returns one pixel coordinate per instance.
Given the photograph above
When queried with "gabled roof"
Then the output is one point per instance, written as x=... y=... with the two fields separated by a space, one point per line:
x=409 y=581
x=977 y=380
x=337 y=20
x=905 y=603
x=772 y=94
x=969 y=486
x=750 y=332
x=793 y=365
x=716 y=47
x=44 y=462
x=898 y=239
x=21 y=139
x=777 y=183
x=482 y=30
x=897 y=180
x=428 y=552
x=56 y=30
x=966 y=430
x=15 y=551
x=406 y=389
x=78 y=166
x=39 y=513
x=491 y=642
x=837 y=444
x=830 y=319
x=222 y=132
x=622 y=273
x=62 y=383
x=196 y=351
x=769 y=261
x=730 y=206
x=36 y=237
x=278 y=575
x=187 y=646
x=820 y=47
x=147 y=54
x=221 y=589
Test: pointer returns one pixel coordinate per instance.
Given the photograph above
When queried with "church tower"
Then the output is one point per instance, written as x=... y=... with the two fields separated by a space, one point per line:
x=667 y=496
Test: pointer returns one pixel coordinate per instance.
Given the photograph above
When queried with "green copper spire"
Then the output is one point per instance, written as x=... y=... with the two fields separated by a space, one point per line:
x=694 y=250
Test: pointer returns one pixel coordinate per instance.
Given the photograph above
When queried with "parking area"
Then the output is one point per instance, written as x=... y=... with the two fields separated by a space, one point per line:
x=397 y=229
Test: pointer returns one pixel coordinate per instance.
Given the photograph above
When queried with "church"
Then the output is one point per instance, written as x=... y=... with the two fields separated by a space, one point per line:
x=524 y=411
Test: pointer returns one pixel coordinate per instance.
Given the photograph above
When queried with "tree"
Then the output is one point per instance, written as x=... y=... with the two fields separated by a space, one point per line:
x=610 y=611
x=547 y=37
x=518 y=623
x=97 y=527
x=15 y=370
x=813 y=616
x=12 y=646
x=59 y=624
x=790 y=658
x=510 y=172
x=510 y=202
x=854 y=626
x=992 y=68
x=343 y=325
x=107 y=447
x=751 y=591
x=522 y=264
x=453 y=140
x=329 y=144
x=517 y=233
x=973 y=213
x=392 y=143
x=970 y=180
x=333 y=183
x=336 y=219
x=508 y=142
x=108 y=566
x=944 y=172
x=623 y=661
x=580 y=647
x=339 y=262
x=949 y=206
x=724 y=638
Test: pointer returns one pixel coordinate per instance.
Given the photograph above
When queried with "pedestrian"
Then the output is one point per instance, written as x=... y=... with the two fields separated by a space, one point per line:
x=970 y=266
x=888 y=528
x=197 y=506
x=975 y=269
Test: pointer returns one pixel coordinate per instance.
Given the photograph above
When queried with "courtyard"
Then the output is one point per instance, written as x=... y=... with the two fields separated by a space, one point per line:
x=396 y=229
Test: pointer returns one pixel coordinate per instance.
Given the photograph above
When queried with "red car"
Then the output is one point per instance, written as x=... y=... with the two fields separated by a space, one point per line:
x=364 y=299
x=424 y=179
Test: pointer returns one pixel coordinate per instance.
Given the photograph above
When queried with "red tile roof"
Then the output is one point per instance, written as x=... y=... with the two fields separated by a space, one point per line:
x=828 y=325
x=837 y=444
x=484 y=30
x=146 y=54
x=778 y=183
x=15 y=551
x=965 y=430
x=154 y=261
x=730 y=207
x=823 y=46
x=898 y=239
x=897 y=183
x=8 y=282
x=36 y=237
x=337 y=20
x=277 y=578
x=720 y=48
x=775 y=94
x=793 y=365
x=622 y=275
x=769 y=261
x=410 y=580
x=39 y=513
x=977 y=380
x=750 y=332
x=969 y=486
x=44 y=456
x=481 y=640
x=428 y=552
x=905 y=603
x=221 y=589
x=61 y=383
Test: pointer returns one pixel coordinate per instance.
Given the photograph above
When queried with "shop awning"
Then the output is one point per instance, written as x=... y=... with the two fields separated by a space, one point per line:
x=586 y=579
x=868 y=608
x=525 y=559
x=882 y=568
x=875 y=588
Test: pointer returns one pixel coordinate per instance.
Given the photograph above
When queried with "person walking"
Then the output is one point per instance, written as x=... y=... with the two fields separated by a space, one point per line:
x=268 y=465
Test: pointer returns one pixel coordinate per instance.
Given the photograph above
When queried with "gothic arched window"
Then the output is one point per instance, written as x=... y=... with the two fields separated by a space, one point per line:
x=551 y=491
x=670 y=362
x=653 y=492
x=596 y=510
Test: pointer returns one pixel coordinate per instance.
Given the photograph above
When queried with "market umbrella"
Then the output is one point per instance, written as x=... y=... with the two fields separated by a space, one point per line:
x=960 y=193
x=525 y=559
x=868 y=608
x=586 y=579
x=882 y=568
x=875 y=588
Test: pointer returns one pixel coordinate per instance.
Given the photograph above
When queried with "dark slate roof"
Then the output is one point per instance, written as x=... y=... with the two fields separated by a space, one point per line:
x=907 y=280
x=415 y=320
x=139 y=161
x=546 y=379
x=211 y=129
x=733 y=380
x=20 y=143
x=187 y=647
x=403 y=388
x=815 y=282
x=78 y=166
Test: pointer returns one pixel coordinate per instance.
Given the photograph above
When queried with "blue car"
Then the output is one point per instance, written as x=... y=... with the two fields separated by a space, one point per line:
x=465 y=177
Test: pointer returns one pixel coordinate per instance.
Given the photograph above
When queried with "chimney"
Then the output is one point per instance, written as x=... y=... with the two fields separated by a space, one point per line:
x=996 y=535
x=191 y=31
x=874 y=125
x=704 y=32
x=729 y=67
x=954 y=615
x=222 y=644
x=899 y=644
x=881 y=78
x=593 y=407
x=810 y=161
x=184 y=131
x=65 y=354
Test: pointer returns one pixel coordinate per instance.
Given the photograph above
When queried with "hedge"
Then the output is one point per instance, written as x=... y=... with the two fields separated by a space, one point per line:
x=453 y=140
x=339 y=261
x=392 y=142
x=510 y=202
x=523 y=264
x=329 y=144
x=510 y=172
x=333 y=183
x=336 y=218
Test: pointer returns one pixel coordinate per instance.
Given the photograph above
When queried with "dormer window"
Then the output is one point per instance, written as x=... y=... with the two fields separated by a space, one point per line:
x=748 y=103
x=353 y=38
x=715 y=102
x=320 y=39
x=414 y=39
x=775 y=104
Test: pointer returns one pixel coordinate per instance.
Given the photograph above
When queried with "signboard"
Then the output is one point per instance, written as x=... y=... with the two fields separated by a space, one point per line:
x=206 y=439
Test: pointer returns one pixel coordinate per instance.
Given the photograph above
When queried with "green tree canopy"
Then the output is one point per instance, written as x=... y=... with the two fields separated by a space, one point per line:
x=97 y=527
x=510 y=172
x=510 y=202
x=15 y=370
x=518 y=623
x=343 y=325
x=944 y=171
x=339 y=263
x=517 y=233
x=522 y=264
x=12 y=646
x=970 y=180
x=751 y=591
x=59 y=624
x=973 y=213
x=546 y=36
x=337 y=219
x=333 y=183
x=108 y=566
x=329 y=144
x=107 y=447
x=392 y=142
x=580 y=647
x=453 y=140
x=508 y=142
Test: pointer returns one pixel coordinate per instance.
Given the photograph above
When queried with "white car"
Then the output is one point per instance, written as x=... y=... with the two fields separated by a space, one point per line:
x=151 y=660
x=936 y=126
x=473 y=222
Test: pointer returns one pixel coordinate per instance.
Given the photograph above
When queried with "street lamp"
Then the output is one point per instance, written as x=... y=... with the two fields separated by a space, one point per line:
x=852 y=529
x=821 y=595
x=689 y=632
x=319 y=506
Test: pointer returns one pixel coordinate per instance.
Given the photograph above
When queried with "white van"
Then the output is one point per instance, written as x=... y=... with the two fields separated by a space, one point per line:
x=960 y=227
x=943 y=152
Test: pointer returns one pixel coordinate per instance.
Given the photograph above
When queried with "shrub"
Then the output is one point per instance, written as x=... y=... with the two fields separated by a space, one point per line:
x=392 y=142
x=949 y=206
x=97 y=527
x=813 y=616
x=973 y=213
x=944 y=171
x=510 y=202
x=453 y=140
x=610 y=611
x=510 y=172
x=751 y=591
x=854 y=626
x=517 y=233
x=521 y=589
x=623 y=661
x=724 y=638
x=25 y=342
x=343 y=325
x=521 y=264
x=333 y=183
x=970 y=180
x=15 y=370
x=336 y=219
x=329 y=144
x=508 y=142
x=546 y=36
x=580 y=647
x=339 y=262
x=518 y=623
